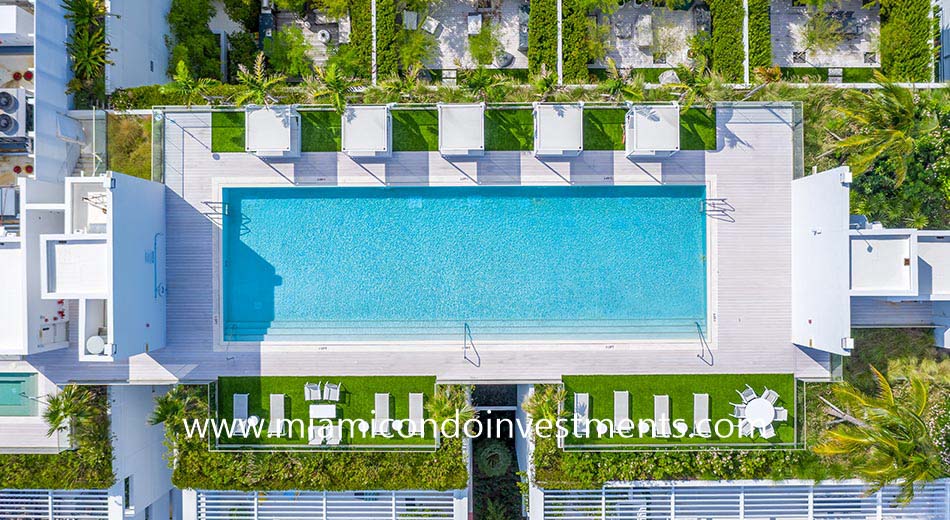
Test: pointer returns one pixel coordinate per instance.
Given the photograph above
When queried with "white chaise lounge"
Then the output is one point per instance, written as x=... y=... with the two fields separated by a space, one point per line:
x=381 y=422
x=416 y=423
x=661 y=416
x=701 y=426
x=622 y=422
x=581 y=414
x=275 y=427
x=239 y=408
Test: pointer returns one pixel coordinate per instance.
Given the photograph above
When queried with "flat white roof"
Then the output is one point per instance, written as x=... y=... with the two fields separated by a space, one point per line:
x=883 y=263
x=933 y=252
x=366 y=129
x=268 y=129
x=76 y=267
x=653 y=128
x=558 y=128
x=461 y=128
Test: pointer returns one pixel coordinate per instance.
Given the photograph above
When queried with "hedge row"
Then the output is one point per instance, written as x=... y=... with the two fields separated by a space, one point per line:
x=148 y=96
x=542 y=35
x=906 y=34
x=361 y=37
x=760 y=34
x=574 y=44
x=387 y=48
x=728 y=57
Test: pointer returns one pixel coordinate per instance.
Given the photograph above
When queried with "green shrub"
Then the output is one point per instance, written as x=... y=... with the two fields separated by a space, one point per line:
x=287 y=52
x=760 y=34
x=387 y=38
x=485 y=45
x=858 y=74
x=906 y=50
x=189 y=38
x=356 y=57
x=542 y=36
x=493 y=458
x=583 y=41
x=244 y=12
x=804 y=74
x=129 y=145
x=728 y=54
x=242 y=50
x=415 y=47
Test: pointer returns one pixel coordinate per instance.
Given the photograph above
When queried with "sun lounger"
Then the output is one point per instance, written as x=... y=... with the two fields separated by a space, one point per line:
x=622 y=422
x=701 y=424
x=275 y=427
x=781 y=414
x=581 y=414
x=661 y=416
x=311 y=391
x=770 y=396
x=381 y=422
x=738 y=410
x=415 y=414
x=747 y=395
x=331 y=391
x=239 y=410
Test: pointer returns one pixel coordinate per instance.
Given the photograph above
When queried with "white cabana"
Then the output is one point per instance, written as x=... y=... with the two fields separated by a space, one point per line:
x=558 y=129
x=272 y=131
x=367 y=131
x=462 y=128
x=652 y=130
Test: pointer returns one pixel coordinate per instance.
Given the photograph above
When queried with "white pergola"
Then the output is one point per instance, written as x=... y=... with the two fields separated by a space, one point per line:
x=652 y=130
x=272 y=131
x=367 y=131
x=558 y=129
x=462 y=129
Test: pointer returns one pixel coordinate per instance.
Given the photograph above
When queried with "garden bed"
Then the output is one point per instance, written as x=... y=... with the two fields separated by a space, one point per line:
x=129 y=144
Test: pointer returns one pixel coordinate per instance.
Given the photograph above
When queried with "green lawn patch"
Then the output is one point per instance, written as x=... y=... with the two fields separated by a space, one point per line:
x=680 y=388
x=415 y=130
x=227 y=132
x=858 y=74
x=129 y=144
x=604 y=128
x=356 y=402
x=321 y=131
x=804 y=74
x=509 y=130
x=698 y=129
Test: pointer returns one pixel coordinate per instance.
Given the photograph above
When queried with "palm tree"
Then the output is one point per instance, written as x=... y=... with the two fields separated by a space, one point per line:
x=888 y=122
x=186 y=86
x=408 y=86
x=485 y=84
x=545 y=84
x=83 y=13
x=330 y=81
x=88 y=52
x=698 y=84
x=887 y=438
x=73 y=406
x=618 y=86
x=258 y=84
x=447 y=402
x=545 y=403
x=177 y=404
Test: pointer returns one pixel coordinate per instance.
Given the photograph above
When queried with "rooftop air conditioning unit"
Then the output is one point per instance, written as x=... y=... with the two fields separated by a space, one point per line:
x=12 y=112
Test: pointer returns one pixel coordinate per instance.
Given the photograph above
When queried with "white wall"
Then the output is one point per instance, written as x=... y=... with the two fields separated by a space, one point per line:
x=137 y=320
x=52 y=74
x=137 y=33
x=821 y=303
x=139 y=449
x=12 y=298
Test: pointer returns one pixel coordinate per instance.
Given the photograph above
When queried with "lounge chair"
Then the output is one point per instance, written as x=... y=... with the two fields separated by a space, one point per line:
x=661 y=416
x=581 y=414
x=767 y=431
x=316 y=435
x=381 y=422
x=770 y=396
x=745 y=428
x=738 y=410
x=622 y=422
x=331 y=391
x=335 y=435
x=430 y=25
x=781 y=414
x=311 y=391
x=415 y=414
x=701 y=415
x=275 y=428
x=747 y=395
x=239 y=408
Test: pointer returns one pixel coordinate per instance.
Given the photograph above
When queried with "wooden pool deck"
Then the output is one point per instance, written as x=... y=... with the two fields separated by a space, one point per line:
x=751 y=171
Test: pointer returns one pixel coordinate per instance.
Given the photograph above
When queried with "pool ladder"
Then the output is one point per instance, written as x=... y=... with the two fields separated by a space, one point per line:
x=469 y=352
x=719 y=209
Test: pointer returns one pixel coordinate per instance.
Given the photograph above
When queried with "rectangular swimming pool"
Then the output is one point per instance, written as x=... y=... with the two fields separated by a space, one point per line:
x=360 y=264
x=13 y=388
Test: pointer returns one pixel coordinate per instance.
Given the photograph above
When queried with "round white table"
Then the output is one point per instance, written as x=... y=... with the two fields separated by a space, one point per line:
x=759 y=412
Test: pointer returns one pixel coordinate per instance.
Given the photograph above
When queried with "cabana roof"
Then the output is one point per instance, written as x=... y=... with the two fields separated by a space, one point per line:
x=558 y=129
x=653 y=129
x=272 y=131
x=462 y=128
x=367 y=131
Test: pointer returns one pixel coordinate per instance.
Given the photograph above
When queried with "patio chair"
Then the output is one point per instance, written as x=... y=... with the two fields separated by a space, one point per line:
x=275 y=428
x=316 y=435
x=381 y=422
x=474 y=23
x=745 y=428
x=239 y=407
x=581 y=414
x=747 y=395
x=770 y=395
x=415 y=414
x=311 y=391
x=701 y=415
x=781 y=414
x=738 y=410
x=335 y=435
x=430 y=25
x=622 y=422
x=767 y=431
x=331 y=391
x=661 y=416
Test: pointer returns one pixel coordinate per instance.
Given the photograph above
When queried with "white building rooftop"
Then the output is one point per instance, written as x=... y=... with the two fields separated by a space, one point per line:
x=367 y=131
x=272 y=131
x=558 y=129
x=883 y=262
x=652 y=130
x=462 y=129
x=933 y=253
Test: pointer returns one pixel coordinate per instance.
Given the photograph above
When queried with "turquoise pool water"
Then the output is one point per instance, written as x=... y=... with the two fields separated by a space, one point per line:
x=419 y=263
x=12 y=388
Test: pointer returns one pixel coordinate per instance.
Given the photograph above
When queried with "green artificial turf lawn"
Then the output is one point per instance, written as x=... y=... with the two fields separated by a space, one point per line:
x=320 y=131
x=227 y=131
x=698 y=129
x=604 y=128
x=720 y=387
x=509 y=130
x=415 y=130
x=357 y=400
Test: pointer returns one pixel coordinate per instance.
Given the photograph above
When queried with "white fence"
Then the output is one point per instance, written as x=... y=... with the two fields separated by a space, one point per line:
x=41 y=504
x=314 y=505
x=758 y=500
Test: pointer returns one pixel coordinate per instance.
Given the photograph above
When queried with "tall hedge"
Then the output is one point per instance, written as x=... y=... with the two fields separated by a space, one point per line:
x=360 y=48
x=728 y=55
x=906 y=50
x=387 y=46
x=542 y=35
x=574 y=43
x=190 y=39
x=760 y=34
